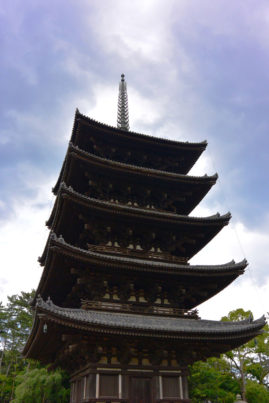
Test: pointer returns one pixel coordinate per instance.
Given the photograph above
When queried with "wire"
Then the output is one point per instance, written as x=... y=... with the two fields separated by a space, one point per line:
x=249 y=270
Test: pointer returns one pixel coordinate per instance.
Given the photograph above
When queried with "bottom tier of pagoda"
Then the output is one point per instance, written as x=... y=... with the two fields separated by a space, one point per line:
x=120 y=352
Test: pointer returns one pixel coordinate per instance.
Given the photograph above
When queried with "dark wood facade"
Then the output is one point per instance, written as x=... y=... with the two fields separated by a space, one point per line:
x=116 y=303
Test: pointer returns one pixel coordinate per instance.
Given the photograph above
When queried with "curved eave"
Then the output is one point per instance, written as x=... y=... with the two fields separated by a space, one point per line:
x=148 y=173
x=222 y=275
x=85 y=127
x=136 y=263
x=133 y=325
x=135 y=212
x=134 y=136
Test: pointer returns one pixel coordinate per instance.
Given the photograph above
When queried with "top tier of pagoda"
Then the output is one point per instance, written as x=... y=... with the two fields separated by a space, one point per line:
x=133 y=148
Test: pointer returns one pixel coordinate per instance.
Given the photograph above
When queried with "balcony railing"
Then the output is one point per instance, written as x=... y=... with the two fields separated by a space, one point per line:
x=146 y=310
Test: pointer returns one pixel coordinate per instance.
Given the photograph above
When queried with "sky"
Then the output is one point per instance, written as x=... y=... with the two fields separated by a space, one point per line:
x=195 y=70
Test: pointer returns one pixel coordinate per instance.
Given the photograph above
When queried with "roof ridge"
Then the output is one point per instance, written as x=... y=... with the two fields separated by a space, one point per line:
x=120 y=131
x=151 y=322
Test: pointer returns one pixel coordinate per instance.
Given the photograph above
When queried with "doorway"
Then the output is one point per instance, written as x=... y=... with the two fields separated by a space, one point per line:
x=140 y=390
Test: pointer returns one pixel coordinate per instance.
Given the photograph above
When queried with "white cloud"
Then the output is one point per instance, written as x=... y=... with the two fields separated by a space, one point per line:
x=22 y=240
x=104 y=104
x=103 y=107
x=125 y=29
x=235 y=241
x=249 y=291
x=243 y=293
x=149 y=41
x=145 y=111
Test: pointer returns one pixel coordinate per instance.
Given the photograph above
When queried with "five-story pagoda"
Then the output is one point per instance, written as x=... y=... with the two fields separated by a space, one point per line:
x=115 y=305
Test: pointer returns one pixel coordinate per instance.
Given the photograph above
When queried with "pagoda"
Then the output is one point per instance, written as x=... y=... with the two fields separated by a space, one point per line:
x=116 y=303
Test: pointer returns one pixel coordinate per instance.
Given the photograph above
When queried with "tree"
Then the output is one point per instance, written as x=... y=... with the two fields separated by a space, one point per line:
x=3 y=332
x=256 y=393
x=19 y=320
x=244 y=369
x=212 y=380
x=16 y=322
x=6 y=385
x=250 y=360
x=39 y=386
x=19 y=376
x=258 y=366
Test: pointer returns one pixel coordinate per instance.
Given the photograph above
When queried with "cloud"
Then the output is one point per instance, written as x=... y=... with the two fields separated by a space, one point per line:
x=237 y=242
x=22 y=239
x=244 y=294
x=195 y=70
x=129 y=32
x=249 y=291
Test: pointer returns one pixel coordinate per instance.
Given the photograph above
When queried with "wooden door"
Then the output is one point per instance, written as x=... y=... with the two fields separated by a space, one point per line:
x=141 y=390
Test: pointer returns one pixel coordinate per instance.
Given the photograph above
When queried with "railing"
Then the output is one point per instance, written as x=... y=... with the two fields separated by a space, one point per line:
x=127 y=401
x=98 y=400
x=146 y=310
x=173 y=401
x=104 y=401
x=141 y=253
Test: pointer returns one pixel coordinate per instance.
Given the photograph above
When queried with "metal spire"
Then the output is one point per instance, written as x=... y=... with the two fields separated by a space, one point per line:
x=123 y=111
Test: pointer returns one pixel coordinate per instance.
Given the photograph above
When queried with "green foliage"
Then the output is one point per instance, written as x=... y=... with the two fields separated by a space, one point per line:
x=6 y=386
x=258 y=366
x=39 y=385
x=212 y=380
x=256 y=393
x=237 y=315
x=18 y=321
x=25 y=379
x=244 y=370
x=250 y=361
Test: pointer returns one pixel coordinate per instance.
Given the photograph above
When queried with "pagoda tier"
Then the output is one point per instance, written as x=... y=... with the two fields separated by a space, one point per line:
x=88 y=222
x=124 y=283
x=111 y=356
x=133 y=148
x=128 y=184
x=166 y=339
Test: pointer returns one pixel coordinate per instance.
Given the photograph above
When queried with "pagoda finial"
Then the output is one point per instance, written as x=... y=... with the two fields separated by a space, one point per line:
x=123 y=111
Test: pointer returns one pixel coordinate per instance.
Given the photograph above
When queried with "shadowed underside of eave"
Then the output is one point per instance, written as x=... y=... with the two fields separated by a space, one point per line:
x=199 y=334
x=134 y=136
x=60 y=256
x=121 y=209
x=143 y=173
x=88 y=133
x=93 y=222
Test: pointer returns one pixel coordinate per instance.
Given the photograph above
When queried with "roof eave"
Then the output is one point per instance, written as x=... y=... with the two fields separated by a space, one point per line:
x=131 y=134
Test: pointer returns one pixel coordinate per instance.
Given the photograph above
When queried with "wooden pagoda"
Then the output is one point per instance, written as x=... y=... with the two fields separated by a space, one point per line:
x=116 y=302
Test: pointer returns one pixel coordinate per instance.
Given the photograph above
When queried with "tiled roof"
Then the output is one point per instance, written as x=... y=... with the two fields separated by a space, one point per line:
x=141 y=169
x=134 y=135
x=168 y=267
x=151 y=323
x=147 y=213
x=75 y=150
